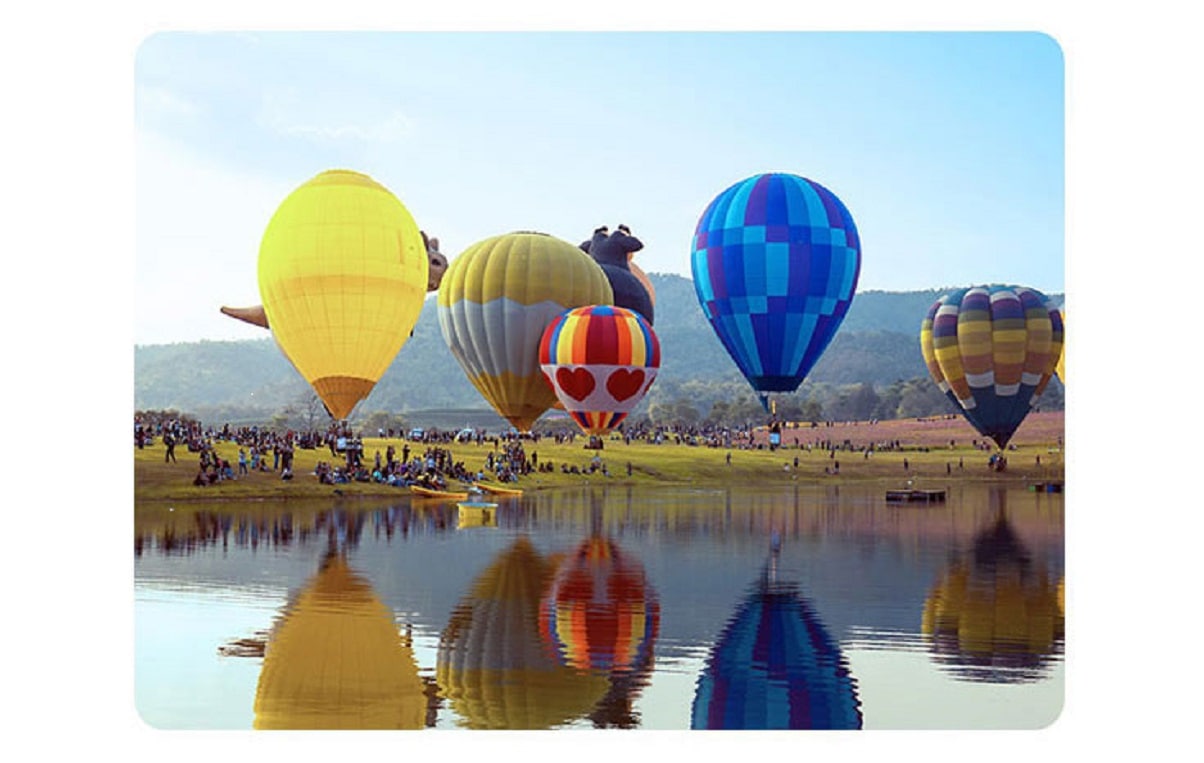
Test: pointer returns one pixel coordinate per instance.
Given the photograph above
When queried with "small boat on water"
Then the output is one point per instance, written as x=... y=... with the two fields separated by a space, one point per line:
x=497 y=489
x=426 y=492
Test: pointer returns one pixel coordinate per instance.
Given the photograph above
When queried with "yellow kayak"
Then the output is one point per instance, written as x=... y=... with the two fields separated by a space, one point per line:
x=427 y=492
x=497 y=489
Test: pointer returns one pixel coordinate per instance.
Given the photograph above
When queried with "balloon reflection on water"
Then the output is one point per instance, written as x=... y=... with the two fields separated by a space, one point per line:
x=336 y=660
x=774 y=666
x=491 y=665
x=601 y=614
x=995 y=615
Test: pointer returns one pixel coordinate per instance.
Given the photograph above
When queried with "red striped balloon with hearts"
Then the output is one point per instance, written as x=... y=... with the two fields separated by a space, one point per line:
x=600 y=360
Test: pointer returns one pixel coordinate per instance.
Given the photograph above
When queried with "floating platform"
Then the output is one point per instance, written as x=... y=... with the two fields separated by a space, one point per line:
x=915 y=496
x=476 y=514
x=1046 y=487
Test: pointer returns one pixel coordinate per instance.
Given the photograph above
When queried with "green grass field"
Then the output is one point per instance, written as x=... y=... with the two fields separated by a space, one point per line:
x=930 y=459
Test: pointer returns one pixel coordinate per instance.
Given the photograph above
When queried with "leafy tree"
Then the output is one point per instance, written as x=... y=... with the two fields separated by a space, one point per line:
x=382 y=420
x=921 y=397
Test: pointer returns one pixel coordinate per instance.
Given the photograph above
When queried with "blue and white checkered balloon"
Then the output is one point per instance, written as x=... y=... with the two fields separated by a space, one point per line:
x=775 y=262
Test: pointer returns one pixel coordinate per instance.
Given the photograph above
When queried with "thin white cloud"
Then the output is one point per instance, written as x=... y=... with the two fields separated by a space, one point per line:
x=333 y=119
x=158 y=101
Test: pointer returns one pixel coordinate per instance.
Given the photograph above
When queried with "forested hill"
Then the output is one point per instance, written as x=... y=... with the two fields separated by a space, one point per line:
x=877 y=345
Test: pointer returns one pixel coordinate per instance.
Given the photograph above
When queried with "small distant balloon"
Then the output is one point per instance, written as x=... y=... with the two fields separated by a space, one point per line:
x=1060 y=370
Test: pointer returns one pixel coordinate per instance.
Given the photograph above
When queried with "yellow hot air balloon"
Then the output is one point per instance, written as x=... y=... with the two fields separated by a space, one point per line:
x=342 y=274
x=494 y=303
x=337 y=661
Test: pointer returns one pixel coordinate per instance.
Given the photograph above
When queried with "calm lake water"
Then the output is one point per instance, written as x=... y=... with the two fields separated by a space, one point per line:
x=805 y=607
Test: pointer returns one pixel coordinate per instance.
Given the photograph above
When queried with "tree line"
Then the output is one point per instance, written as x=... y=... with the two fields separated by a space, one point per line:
x=872 y=369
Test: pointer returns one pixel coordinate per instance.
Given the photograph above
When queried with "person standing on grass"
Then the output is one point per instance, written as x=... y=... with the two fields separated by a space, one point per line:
x=242 y=462
x=170 y=442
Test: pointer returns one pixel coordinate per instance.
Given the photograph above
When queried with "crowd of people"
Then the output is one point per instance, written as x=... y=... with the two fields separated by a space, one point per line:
x=262 y=450
x=424 y=457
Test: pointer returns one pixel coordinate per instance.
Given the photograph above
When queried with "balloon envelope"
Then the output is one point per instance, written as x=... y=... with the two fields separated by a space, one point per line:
x=494 y=303
x=776 y=259
x=992 y=350
x=600 y=361
x=643 y=278
x=342 y=274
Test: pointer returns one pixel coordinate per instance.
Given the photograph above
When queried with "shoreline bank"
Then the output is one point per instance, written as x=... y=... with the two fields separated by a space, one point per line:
x=928 y=453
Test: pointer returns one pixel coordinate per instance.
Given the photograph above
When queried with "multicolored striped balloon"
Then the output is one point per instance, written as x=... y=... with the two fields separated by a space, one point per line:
x=776 y=259
x=600 y=360
x=992 y=350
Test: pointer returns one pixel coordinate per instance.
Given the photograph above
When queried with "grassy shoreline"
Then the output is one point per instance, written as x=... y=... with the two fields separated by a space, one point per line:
x=931 y=452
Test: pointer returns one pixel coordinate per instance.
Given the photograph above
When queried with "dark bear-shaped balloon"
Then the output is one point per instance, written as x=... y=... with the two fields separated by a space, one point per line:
x=610 y=251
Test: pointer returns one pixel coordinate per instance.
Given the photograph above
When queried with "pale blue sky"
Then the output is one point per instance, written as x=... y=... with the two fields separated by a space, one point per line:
x=946 y=147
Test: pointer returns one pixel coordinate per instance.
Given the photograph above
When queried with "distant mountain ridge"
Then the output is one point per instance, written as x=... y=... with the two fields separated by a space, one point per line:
x=877 y=344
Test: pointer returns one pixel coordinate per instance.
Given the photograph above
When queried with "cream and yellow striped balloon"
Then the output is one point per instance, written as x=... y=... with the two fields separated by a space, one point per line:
x=494 y=303
x=342 y=274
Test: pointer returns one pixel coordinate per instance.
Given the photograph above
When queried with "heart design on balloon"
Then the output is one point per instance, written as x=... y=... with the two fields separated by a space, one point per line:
x=577 y=383
x=623 y=384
